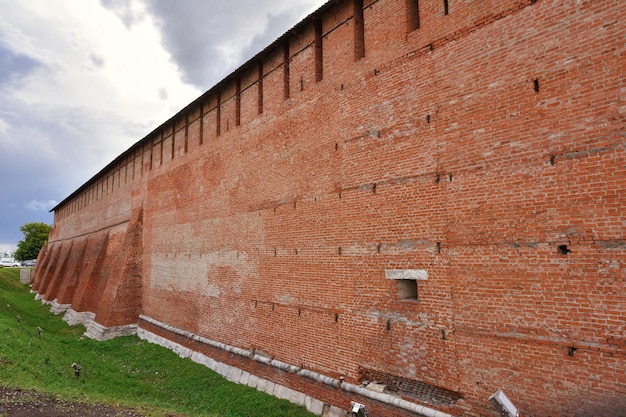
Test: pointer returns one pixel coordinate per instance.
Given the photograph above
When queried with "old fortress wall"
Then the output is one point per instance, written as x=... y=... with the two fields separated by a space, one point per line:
x=427 y=195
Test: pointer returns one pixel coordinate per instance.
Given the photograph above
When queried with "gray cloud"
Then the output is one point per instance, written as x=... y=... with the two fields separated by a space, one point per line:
x=40 y=206
x=123 y=9
x=209 y=39
x=15 y=66
x=47 y=154
x=97 y=60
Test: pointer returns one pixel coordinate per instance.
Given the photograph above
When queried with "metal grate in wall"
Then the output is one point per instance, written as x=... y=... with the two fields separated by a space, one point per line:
x=418 y=390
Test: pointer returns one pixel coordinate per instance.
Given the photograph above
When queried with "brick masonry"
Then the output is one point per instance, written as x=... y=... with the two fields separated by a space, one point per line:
x=429 y=194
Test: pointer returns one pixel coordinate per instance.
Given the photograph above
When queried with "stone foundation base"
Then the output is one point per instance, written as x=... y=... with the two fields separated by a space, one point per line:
x=25 y=275
x=240 y=376
x=95 y=330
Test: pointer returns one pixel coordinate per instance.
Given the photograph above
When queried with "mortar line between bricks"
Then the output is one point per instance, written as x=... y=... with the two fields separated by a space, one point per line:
x=92 y=232
x=561 y=342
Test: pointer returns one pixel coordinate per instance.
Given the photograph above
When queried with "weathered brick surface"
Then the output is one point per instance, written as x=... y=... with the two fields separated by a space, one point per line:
x=485 y=147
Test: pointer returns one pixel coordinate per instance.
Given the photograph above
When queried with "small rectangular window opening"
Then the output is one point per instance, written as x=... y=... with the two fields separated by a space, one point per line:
x=359 y=30
x=406 y=281
x=413 y=10
x=407 y=289
x=319 y=56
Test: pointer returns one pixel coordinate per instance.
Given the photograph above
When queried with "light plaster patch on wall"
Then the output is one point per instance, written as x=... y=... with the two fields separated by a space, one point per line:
x=197 y=274
x=189 y=255
x=211 y=290
x=285 y=298
x=176 y=272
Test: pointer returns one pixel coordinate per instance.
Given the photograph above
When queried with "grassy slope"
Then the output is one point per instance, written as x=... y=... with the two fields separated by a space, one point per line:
x=125 y=371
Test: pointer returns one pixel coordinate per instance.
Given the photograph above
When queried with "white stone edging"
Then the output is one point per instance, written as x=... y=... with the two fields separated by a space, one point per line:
x=94 y=330
x=242 y=377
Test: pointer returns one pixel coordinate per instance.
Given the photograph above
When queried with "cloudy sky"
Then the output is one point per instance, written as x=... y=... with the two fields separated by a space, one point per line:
x=83 y=80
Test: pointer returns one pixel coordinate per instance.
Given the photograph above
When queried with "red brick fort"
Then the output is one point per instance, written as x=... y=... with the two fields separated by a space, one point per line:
x=405 y=204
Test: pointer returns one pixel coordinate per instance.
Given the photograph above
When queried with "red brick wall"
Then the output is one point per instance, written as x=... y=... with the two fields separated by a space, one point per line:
x=485 y=147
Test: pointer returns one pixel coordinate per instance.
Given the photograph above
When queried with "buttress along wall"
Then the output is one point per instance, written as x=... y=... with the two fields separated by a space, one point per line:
x=425 y=195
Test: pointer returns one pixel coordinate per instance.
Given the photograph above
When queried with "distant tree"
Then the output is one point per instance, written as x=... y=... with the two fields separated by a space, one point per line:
x=35 y=236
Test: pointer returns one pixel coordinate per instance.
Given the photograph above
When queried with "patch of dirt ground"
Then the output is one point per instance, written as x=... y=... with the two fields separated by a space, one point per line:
x=18 y=403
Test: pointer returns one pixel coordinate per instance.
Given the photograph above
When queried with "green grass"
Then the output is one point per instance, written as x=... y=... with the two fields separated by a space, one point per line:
x=124 y=371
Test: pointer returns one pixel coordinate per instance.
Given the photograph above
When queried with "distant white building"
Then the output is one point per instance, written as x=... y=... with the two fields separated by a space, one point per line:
x=7 y=259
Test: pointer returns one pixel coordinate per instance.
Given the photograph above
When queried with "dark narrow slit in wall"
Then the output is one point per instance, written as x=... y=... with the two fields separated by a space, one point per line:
x=238 y=101
x=149 y=162
x=286 y=69
x=571 y=350
x=536 y=85
x=186 y=132
x=553 y=160
x=161 y=149
x=218 y=121
x=428 y=118
x=319 y=56
x=359 y=30
x=260 y=97
x=173 y=140
x=301 y=83
x=446 y=10
x=201 y=133
x=438 y=247
x=413 y=14
x=336 y=317
x=388 y=325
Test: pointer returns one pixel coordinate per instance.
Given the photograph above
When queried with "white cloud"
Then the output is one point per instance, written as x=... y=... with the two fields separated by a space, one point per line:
x=92 y=60
x=35 y=205
x=7 y=247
